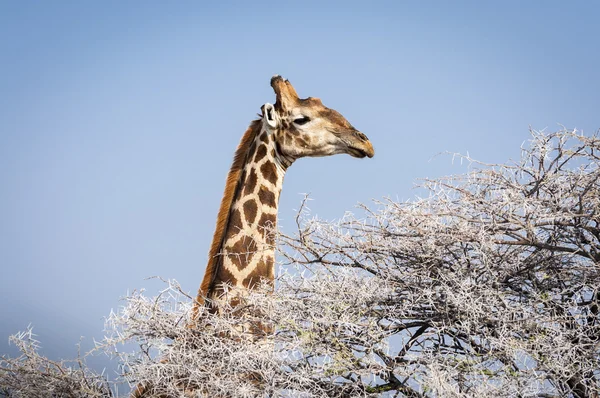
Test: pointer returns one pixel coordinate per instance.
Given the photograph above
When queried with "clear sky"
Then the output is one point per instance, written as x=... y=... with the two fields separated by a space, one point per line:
x=118 y=121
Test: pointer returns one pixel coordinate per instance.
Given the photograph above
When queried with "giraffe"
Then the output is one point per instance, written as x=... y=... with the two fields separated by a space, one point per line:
x=242 y=250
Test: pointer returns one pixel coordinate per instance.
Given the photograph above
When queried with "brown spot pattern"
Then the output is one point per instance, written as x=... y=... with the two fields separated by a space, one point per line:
x=264 y=269
x=334 y=116
x=266 y=197
x=223 y=275
x=266 y=226
x=250 y=182
x=251 y=281
x=250 y=210
x=267 y=220
x=301 y=141
x=261 y=152
x=269 y=172
x=242 y=252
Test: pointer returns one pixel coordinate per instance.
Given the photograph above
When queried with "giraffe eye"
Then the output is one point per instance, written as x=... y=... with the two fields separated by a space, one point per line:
x=302 y=120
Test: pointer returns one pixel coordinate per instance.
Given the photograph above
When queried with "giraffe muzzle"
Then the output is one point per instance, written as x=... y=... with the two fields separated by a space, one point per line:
x=360 y=146
x=363 y=151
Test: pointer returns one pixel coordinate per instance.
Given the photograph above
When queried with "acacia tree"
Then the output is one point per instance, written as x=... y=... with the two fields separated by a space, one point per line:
x=487 y=286
x=491 y=283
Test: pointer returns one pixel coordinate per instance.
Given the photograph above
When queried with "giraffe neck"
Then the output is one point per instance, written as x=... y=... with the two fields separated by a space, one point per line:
x=248 y=248
x=245 y=254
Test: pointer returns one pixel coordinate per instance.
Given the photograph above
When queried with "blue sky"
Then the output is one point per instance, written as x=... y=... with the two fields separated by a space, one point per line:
x=118 y=121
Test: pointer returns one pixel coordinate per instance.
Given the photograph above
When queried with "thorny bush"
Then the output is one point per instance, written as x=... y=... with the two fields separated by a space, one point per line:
x=489 y=286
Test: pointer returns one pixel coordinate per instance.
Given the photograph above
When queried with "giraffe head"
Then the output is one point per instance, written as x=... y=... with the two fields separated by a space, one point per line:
x=305 y=127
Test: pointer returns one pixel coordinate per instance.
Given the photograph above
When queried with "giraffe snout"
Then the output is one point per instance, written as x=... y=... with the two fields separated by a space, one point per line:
x=368 y=148
x=359 y=145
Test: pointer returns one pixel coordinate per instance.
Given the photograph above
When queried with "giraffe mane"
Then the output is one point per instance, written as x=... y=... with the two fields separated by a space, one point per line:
x=231 y=188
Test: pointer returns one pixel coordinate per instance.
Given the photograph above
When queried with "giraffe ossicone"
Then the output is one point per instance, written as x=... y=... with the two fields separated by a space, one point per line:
x=242 y=251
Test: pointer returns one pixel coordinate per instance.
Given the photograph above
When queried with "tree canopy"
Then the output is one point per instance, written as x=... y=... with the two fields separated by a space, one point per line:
x=486 y=286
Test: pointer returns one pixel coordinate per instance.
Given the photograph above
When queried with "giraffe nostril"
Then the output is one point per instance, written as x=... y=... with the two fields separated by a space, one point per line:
x=361 y=136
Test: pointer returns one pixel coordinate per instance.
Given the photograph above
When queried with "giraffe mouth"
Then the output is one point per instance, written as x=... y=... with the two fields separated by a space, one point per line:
x=356 y=153
x=361 y=152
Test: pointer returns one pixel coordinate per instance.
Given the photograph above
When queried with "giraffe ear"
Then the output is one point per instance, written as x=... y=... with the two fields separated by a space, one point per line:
x=270 y=115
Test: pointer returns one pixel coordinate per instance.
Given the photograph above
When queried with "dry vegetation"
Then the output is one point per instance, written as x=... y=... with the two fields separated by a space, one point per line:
x=487 y=287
